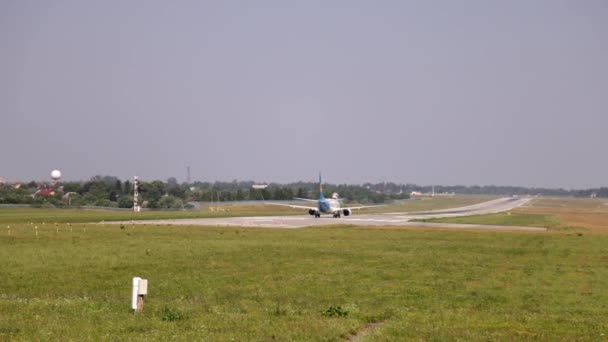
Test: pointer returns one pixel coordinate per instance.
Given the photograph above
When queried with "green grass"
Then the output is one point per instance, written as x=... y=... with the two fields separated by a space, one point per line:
x=222 y=284
x=570 y=203
x=51 y=216
x=434 y=203
x=504 y=219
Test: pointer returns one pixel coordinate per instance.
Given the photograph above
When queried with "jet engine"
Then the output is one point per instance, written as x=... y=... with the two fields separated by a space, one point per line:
x=312 y=212
x=346 y=212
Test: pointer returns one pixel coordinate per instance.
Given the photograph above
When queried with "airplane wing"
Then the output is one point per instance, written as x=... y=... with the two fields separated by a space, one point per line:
x=366 y=206
x=292 y=206
x=305 y=199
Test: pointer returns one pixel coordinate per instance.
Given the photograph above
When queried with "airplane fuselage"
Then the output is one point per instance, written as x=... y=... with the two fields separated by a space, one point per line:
x=328 y=206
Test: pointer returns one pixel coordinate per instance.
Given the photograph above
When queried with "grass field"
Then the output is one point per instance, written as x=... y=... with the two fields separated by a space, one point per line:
x=504 y=219
x=588 y=214
x=72 y=282
x=51 y=216
x=566 y=214
x=434 y=203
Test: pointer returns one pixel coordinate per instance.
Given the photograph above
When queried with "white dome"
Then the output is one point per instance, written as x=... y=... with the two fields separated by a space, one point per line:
x=56 y=174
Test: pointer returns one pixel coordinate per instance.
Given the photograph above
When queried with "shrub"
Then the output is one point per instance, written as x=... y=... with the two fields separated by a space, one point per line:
x=335 y=311
x=169 y=315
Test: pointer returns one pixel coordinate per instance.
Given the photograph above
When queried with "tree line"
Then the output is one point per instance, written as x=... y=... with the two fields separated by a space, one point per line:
x=109 y=191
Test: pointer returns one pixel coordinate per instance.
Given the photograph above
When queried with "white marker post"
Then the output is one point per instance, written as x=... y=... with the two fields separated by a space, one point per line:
x=140 y=289
x=135 y=293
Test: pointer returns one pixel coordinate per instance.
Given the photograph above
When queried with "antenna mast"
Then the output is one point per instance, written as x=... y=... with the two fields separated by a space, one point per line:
x=136 y=207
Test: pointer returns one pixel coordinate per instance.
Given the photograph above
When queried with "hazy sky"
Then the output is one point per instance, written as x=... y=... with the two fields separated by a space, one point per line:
x=444 y=92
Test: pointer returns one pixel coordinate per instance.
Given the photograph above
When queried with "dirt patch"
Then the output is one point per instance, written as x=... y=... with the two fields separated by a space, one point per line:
x=363 y=332
x=590 y=219
x=586 y=289
x=524 y=333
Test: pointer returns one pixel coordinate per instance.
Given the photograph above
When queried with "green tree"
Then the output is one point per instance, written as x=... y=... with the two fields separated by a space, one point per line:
x=170 y=202
x=127 y=187
x=125 y=201
x=118 y=187
x=301 y=193
x=152 y=192
x=72 y=187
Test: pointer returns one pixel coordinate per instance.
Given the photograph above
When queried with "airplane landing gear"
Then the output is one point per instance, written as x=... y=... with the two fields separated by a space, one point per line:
x=337 y=215
x=317 y=215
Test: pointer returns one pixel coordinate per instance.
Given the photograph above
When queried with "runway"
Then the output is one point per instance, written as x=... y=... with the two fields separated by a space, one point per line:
x=389 y=219
x=490 y=207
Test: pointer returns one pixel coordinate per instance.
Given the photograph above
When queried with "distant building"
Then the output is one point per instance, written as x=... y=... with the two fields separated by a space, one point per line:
x=432 y=194
x=44 y=192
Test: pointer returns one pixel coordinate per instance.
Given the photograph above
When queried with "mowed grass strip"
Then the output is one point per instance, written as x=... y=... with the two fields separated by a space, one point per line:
x=503 y=219
x=51 y=216
x=570 y=203
x=429 y=203
x=221 y=284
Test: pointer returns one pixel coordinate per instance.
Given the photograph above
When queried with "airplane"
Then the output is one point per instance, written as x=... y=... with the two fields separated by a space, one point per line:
x=325 y=205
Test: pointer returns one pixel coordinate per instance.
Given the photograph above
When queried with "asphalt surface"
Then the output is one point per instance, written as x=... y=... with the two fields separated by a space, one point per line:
x=390 y=219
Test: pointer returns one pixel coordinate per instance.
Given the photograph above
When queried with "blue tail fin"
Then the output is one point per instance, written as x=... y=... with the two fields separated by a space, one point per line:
x=320 y=186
